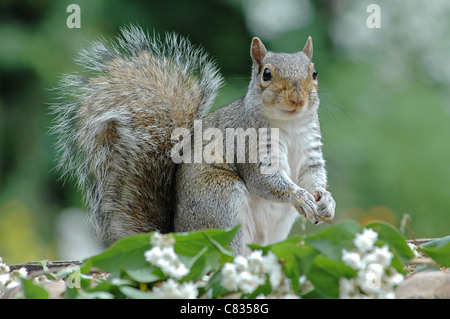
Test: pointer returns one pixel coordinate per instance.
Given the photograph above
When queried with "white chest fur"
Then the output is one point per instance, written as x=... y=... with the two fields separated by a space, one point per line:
x=267 y=221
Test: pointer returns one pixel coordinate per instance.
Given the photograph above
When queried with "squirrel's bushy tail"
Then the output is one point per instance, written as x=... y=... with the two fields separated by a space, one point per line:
x=114 y=124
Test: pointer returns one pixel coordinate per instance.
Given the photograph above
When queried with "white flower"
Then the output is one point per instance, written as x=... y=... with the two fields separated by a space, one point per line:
x=241 y=263
x=153 y=255
x=277 y=296
x=347 y=288
x=41 y=279
x=248 y=282
x=168 y=254
x=23 y=272
x=383 y=255
x=12 y=284
x=255 y=261
x=395 y=279
x=229 y=277
x=4 y=279
x=235 y=276
x=181 y=271
x=167 y=260
x=367 y=259
x=352 y=259
x=365 y=240
x=378 y=270
x=189 y=290
x=388 y=295
x=273 y=268
x=4 y=268
x=161 y=240
x=248 y=273
x=171 y=289
x=17 y=274
x=290 y=296
x=369 y=281
x=156 y=239
x=376 y=278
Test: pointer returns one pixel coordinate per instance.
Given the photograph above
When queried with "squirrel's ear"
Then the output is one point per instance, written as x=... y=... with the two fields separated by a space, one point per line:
x=308 y=48
x=257 y=51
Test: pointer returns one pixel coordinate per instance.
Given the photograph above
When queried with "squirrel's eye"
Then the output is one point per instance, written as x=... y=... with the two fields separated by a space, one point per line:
x=314 y=75
x=267 y=76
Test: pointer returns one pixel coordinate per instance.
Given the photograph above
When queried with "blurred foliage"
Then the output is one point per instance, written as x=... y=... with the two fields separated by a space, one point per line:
x=386 y=131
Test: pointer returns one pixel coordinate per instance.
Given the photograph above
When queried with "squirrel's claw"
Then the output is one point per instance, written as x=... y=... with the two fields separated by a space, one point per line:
x=307 y=207
x=317 y=208
x=325 y=205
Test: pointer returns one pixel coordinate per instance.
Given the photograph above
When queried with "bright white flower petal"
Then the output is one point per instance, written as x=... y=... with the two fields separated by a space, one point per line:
x=383 y=255
x=241 y=263
x=395 y=279
x=365 y=240
x=352 y=259
x=347 y=288
x=229 y=277
x=153 y=255
x=171 y=289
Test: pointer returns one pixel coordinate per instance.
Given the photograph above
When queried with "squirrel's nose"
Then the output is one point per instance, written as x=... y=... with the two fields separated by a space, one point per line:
x=296 y=99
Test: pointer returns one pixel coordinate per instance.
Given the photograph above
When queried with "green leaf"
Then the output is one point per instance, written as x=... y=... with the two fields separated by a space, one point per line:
x=439 y=250
x=296 y=259
x=214 y=288
x=264 y=289
x=325 y=284
x=218 y=246
x=197 y=265
x=43 y=264
x=134 y=293
x=33 y=291
x=265 y=248
x=437 y=243
x=145 y=274
x=392 y=237
x=189 y=244
x=215 y=241
x=126 y=254
x=325 y=273
x=336 y=268
x=330 y=241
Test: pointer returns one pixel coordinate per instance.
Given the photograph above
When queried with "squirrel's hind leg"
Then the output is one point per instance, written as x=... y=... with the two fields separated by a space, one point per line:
x=211 y=196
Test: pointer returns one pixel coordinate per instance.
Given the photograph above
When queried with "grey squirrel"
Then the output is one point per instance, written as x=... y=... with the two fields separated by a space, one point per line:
x=115 y=136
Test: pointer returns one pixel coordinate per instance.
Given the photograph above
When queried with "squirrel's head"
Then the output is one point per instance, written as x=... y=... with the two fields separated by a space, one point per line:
x=286 y=83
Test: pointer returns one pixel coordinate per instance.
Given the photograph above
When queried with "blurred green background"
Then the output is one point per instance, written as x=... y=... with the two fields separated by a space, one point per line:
x=385 y=108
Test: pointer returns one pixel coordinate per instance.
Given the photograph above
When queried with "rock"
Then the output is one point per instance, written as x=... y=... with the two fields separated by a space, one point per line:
x=425 y=285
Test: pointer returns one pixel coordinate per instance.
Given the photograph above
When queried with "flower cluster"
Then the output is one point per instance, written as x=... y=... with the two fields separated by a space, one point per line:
x=248 y=273
x=10 y=279
x=172 y=289
x=244 y=274
x=376 y=278
x=162 y=255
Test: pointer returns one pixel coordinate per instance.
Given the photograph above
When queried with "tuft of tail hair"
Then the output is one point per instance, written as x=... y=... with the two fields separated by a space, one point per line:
x=114 y=120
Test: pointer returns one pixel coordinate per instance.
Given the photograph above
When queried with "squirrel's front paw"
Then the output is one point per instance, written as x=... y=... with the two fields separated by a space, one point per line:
x=325 y=204
x=306 y=206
